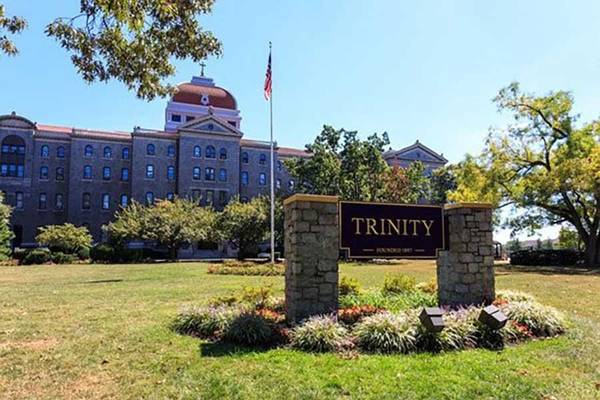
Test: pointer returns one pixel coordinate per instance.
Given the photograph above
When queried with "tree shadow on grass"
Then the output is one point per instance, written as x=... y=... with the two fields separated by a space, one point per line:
x=546 y=270
x=104 y=281
x=223 y=349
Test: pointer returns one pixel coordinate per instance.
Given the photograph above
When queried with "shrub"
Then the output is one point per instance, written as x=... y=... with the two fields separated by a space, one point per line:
x=349 y=286
x=62 y=258
x=65 y=238
x=319 y=334
x=541 y=320
x=386 y=333
x=513 y=295
x=559 y=257
x=204 y=322
x=428 y=287
x=352 y=315
x=257 y=297
x=460 y=332
x=103 y=253
x=83 y=253
x=245 y=225
x=249 y=328
x=36 y=256
x=247 y=268
x=20 y=253
x=399 y=283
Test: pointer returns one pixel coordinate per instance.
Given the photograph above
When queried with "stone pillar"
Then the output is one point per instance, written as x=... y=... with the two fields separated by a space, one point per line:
x=311 y=254
x=465 y=272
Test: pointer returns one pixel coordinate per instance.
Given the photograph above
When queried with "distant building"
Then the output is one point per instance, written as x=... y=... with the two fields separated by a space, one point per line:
x=57 y=174
x=415 y=152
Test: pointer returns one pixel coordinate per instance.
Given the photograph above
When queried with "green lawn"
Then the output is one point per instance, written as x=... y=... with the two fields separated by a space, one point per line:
x=101 y=332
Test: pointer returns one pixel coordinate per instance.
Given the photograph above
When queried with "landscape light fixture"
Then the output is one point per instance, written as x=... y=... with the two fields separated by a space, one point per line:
x=492 y=317
x=431 y=318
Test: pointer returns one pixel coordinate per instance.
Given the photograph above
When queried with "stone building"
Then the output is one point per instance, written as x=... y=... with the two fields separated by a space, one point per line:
x=56 y=174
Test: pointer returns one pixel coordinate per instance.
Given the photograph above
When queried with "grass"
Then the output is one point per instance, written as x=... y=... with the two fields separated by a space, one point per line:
x=101 y=331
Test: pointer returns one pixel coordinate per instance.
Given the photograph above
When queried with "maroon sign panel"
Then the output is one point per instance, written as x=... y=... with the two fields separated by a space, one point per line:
x=383 y=230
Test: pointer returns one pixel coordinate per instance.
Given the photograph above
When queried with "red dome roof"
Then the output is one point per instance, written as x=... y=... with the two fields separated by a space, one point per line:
x=191 y=93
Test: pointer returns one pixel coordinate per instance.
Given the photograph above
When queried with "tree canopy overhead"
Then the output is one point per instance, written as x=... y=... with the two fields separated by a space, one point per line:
x=545 y=164
x=132 y=41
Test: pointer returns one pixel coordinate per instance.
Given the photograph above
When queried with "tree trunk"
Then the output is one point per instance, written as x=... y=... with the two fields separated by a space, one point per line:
x=173 y=253
x=592 y=252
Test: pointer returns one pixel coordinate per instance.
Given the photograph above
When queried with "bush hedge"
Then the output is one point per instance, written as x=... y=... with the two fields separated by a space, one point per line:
x=36 y=256
x=234 y=267
x=559 y=257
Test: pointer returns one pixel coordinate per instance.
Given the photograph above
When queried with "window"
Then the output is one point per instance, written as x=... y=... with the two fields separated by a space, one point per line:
x=244 y=178
x=125 y=174
x=171 y=173
x=176 y=117
x=60 y=174
x=150 y=171
x=125 y=153
x=170 y=196
x=210 y=152
x=262 y=179
x=44 y=173
x=189 y=118
x=222 y=197
x=43 y=201
x=58 y=202
x=263 y=159
x=197 y=151
x=197 y=196
x=86 y=201
x=278 y=183
x=107 y=152
x=223 y=175
x=19 y=200
x=291 y=184
x=60 y=152
x=87 y=172
x=44 y=151
x=223 y=154
x=105 y=201
x=279 y=165
x=210 y=197
x=106 y=173
x=209 y=174
x=244 y=158
x=171 y=151
x=196 y=174
x=12 y=159
x=88 y=151
x=124 y=200
x=150 y=149
x=149 y=198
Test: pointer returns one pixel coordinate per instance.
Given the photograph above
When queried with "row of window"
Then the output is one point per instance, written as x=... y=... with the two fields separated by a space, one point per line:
x=262 y=180
x=107 y=152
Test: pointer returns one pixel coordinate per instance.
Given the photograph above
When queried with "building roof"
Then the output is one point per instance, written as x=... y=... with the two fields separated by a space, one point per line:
x=200 y=94
x=417 y=145
x=291 y=152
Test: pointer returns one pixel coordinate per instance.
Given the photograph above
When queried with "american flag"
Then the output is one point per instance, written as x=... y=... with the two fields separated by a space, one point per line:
x=268 y=81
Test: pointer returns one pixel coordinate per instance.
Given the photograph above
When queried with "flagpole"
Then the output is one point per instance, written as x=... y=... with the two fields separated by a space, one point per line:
x=272 y=175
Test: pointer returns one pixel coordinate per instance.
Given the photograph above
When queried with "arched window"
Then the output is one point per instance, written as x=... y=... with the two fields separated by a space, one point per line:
x=171 y=173
x=87 y=172
x=59 y=201
x=88 y=150
x=125 y=153
x=107 y=152
x=106 y=173
x=125 y=174
x=245 y=157
x=60 y=152
x=262 y=179
x=105 y=201
x=149 y=198
x=196 y=174
x=60 y=174
x=210 y=152
x=209 y=174
x=223 y=153
x=42 y=201
x=12 y=158
x=150 y=149
x=44 y=173
x=86 y=201
x=171 y=151
x=197 y=151
x=124 y=200
x=244 y=178
x=263 y=159
x=223 y=175
x=150 y=171
x=45 y=151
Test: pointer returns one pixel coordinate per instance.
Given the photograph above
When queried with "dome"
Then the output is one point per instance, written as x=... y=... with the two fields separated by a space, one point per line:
x=203 y=92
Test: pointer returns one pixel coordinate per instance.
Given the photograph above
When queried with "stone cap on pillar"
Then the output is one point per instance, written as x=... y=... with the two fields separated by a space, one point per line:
x=314 y=198
x=468 y=205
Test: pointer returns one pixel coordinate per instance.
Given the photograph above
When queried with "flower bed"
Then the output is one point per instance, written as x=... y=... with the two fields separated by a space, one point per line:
x=371 y=322
x=234 y=267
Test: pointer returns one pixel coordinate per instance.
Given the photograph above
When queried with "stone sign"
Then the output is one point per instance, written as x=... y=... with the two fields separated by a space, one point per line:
x=384 y=230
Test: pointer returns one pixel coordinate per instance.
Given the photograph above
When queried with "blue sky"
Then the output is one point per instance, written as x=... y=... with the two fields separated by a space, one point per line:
x=419 y=70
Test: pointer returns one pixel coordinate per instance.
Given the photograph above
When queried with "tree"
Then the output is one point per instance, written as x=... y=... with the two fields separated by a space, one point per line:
x=170 y=224
x=245 y=225
x=569 y=239
x=65 y=238
x=513 y=245
x=6 y=234
x=130 y=41
x=547 y=245
x=405 y=185
x=441 y=183
x=544 y=164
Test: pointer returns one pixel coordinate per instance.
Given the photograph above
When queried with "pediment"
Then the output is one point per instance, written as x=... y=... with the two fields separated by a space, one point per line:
x=417 y=152
x=16 y=121
x=211 y=125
